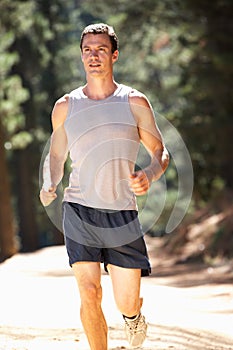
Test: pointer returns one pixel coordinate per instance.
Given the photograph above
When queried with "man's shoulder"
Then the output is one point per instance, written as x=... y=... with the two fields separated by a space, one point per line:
x=131 y=92
x=62 y=100
x=139 y=98
x=60 y=110
x=62 y=103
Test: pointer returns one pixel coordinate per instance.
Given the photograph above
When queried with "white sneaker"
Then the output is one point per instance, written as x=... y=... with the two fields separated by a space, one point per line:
x=136 y=331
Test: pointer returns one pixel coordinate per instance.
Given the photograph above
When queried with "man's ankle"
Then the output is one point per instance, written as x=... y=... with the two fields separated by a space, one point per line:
x=131 y=318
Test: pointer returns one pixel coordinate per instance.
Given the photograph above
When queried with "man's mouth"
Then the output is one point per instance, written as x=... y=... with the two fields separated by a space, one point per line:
x=94 y=65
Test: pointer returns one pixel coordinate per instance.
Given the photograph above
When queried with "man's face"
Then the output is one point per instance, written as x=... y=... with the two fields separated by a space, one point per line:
x=97 y=54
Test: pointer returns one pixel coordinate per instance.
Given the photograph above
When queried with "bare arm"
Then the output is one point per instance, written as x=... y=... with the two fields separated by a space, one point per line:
x=58 y=152
x=151 y=138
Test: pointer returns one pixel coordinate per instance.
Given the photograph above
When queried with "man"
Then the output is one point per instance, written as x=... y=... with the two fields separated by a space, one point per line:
x=101 y=126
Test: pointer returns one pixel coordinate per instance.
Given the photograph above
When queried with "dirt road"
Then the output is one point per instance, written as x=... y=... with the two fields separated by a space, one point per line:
x=186 y=308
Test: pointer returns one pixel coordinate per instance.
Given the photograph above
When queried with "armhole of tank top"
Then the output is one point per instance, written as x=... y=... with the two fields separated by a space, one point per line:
x=70 y=107
x=128 y=104
x=71 y=103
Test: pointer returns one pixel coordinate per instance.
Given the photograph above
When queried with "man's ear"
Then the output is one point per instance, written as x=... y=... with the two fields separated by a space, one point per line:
x=115 y=56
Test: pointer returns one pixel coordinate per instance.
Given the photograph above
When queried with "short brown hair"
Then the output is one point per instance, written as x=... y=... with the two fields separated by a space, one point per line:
x=101 y=28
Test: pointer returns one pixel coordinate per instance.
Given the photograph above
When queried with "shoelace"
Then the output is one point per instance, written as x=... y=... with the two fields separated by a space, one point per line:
x=133 y=325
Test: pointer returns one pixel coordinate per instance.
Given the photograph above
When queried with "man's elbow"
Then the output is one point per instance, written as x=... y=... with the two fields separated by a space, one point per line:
x=165 y=159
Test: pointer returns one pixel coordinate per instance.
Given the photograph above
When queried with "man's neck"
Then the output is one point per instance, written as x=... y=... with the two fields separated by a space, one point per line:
x=99 y=89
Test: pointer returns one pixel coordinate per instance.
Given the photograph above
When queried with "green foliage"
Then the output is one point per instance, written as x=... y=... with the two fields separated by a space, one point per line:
x=182 y=58
x=12 y=94
x=178 y=53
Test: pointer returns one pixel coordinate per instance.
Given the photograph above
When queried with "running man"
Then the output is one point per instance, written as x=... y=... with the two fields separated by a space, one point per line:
x=101 y=125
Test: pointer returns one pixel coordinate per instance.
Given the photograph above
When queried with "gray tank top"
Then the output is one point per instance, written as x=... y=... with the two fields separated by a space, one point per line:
x=103 y=144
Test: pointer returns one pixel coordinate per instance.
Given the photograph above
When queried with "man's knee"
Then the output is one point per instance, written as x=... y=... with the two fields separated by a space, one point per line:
x=90 y=294
x=128 y=306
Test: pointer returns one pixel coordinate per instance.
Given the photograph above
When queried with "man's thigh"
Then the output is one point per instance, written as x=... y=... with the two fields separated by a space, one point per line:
x=126 y=284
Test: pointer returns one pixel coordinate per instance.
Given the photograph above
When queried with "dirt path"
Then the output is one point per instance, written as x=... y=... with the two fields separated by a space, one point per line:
x=187 y=307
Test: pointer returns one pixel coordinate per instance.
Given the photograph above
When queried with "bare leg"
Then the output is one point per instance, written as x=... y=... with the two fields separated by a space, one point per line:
x=88 y=275
x=126 y=288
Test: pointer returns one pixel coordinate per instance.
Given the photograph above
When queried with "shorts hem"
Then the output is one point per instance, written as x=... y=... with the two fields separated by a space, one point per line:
x=145 y=271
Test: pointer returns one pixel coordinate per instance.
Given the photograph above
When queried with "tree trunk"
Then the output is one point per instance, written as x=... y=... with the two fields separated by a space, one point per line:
x=26 y=201
x=8 y=246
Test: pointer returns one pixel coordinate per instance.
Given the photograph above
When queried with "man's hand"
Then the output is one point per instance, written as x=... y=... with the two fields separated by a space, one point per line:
x=47 y=197
x=140 y=182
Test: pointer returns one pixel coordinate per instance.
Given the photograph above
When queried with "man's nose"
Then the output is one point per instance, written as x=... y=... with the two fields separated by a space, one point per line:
x=93 y=53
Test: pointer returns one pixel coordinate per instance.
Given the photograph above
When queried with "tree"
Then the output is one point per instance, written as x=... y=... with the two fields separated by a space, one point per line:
x=8 y=246
x=18 y=20
x=11 y=96
x=42 y=36
x=206 y=84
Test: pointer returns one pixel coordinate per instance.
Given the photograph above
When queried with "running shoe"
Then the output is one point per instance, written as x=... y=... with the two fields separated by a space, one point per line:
x=136 y=331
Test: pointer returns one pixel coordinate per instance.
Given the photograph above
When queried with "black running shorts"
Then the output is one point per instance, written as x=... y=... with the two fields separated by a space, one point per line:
x=110 y=237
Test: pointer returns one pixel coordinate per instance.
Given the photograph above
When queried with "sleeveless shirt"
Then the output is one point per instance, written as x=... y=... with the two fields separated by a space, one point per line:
x=103 y=144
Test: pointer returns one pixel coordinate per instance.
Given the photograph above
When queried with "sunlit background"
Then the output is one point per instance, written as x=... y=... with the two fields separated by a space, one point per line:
x=179 y=53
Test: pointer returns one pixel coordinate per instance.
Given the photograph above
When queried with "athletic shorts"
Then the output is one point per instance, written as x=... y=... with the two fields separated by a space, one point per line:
x=106 y=236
